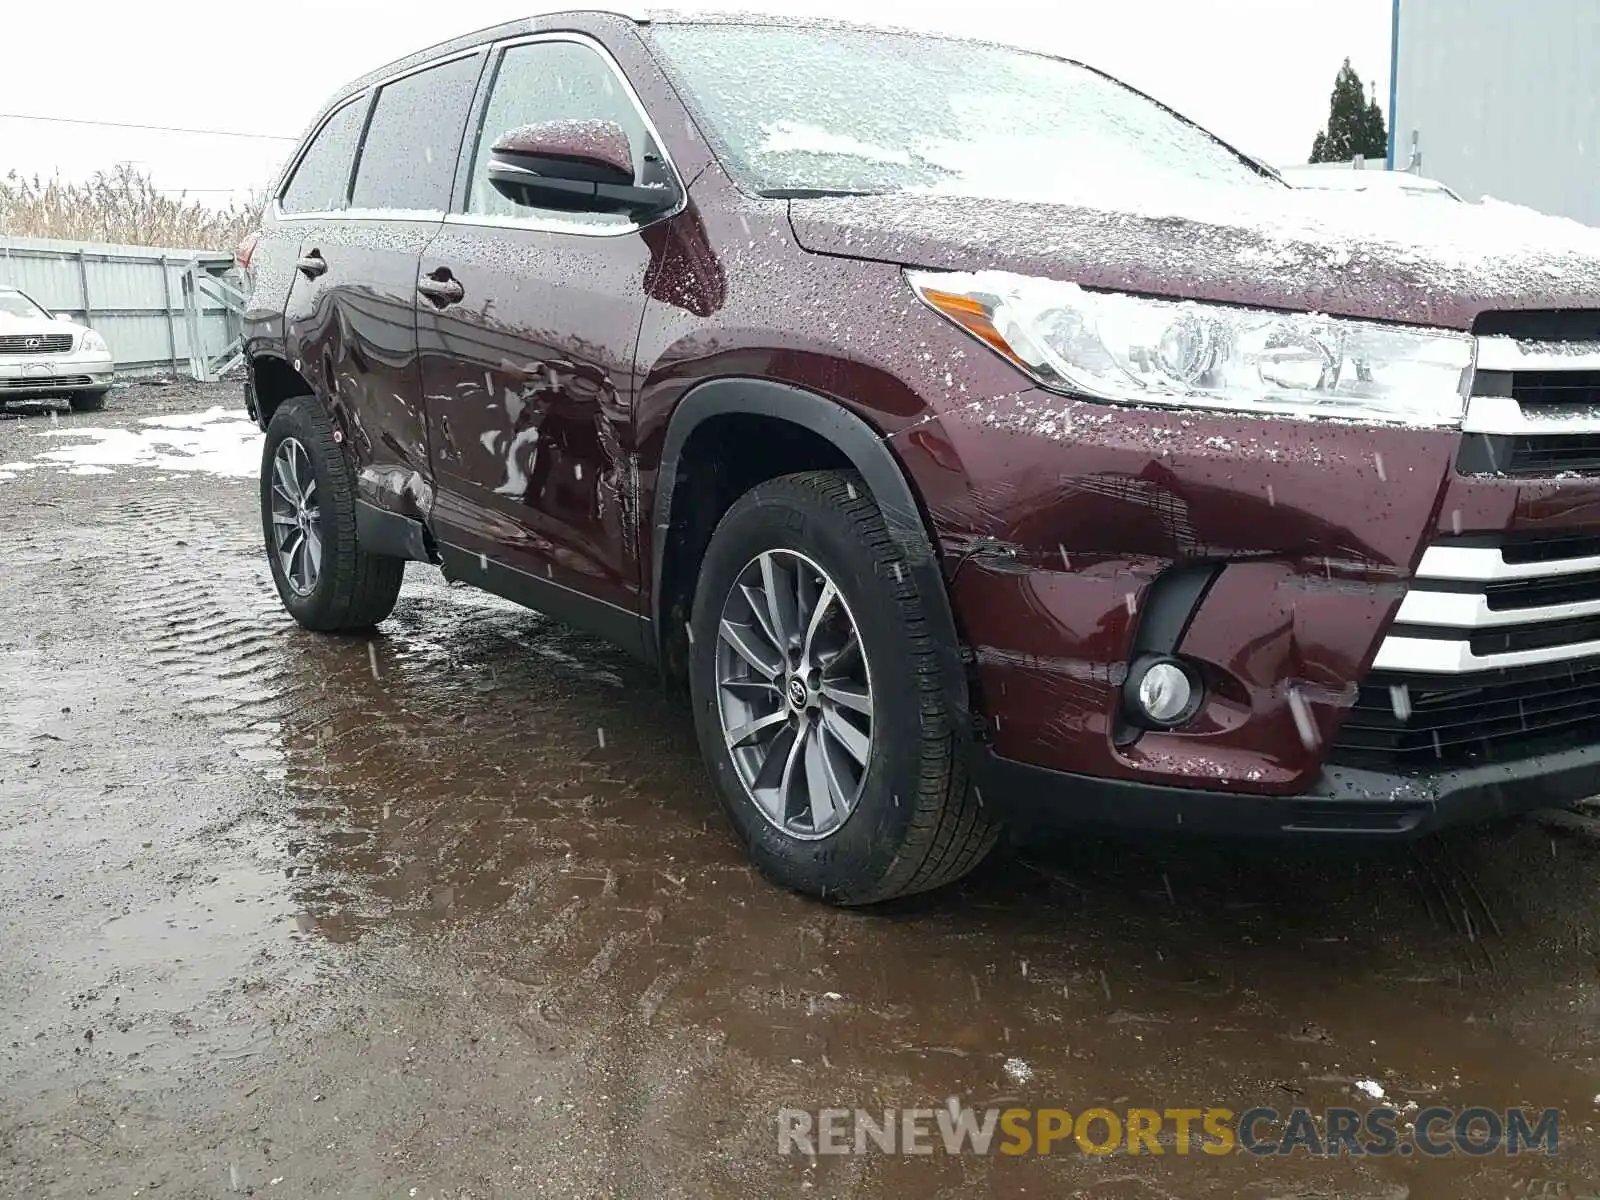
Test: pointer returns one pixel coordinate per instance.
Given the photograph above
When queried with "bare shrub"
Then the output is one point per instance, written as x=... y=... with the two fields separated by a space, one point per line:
x=120 y=206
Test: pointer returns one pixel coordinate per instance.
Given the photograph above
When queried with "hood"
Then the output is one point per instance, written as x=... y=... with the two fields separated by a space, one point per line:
x=1389 y=258
x=11 y=326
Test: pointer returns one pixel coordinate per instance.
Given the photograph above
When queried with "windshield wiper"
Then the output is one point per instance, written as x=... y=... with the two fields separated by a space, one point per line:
x=812 y=193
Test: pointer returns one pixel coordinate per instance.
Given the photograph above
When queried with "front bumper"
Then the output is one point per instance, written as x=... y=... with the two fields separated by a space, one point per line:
x=1060 y=521
x=54 y=374
x=1343 y=802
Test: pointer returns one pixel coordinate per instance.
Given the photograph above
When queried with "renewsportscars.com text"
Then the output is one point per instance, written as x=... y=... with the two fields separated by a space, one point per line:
x=957 y=1129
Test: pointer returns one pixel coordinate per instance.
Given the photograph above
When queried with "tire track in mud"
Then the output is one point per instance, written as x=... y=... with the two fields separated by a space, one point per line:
x=198 y=597
x=1455 y=903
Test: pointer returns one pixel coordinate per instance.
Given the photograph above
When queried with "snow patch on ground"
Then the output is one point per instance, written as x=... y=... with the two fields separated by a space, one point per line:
x=218 y=441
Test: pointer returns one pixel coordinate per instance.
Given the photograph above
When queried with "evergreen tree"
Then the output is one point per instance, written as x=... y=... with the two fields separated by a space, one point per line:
x=1376 y=132
x=1355 y=123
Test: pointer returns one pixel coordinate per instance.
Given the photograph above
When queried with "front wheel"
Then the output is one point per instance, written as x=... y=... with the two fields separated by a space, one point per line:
x=818 y=703
x=87 y=401
x=308 y=517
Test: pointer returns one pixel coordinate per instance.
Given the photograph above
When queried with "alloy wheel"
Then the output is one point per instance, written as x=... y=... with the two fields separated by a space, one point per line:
x=296 y=528
x=794 y=694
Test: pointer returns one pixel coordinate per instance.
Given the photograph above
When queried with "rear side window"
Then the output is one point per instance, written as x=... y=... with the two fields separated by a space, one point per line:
x=323 y=175
x=408 y=158
x=554 y=81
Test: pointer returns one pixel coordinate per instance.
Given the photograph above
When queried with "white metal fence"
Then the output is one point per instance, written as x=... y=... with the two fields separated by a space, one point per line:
x=161 y=310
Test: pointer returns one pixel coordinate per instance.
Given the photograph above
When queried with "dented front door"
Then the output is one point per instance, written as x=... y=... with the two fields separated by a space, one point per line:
x=527 y=362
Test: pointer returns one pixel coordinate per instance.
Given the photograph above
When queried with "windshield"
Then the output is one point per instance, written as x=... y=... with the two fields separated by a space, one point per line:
x=15 y=304
x=801 y=109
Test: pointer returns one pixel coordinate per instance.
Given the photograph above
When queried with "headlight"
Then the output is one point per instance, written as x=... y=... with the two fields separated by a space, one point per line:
x=1180 y=354
x=93 y=341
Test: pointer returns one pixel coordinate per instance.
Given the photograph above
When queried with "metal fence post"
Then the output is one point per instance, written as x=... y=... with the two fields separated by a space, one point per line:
x=169 y=316
x=83 y=285
x=191 y=314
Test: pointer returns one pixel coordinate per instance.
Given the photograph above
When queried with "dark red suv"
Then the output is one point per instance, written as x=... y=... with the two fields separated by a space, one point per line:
x=979 y=439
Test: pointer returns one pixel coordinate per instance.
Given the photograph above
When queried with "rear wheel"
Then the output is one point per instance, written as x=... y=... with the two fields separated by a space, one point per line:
x=818 y=702
x=87 y=401
x=308 y=519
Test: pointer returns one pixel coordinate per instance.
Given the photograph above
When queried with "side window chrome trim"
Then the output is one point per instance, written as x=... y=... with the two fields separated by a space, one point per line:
x=364 y=214
x=555 y=225
x=471 y=51
x=550 y=224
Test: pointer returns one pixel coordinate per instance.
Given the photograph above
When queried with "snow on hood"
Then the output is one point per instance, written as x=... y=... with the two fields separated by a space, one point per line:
x=1357 y=255
x=13 y=325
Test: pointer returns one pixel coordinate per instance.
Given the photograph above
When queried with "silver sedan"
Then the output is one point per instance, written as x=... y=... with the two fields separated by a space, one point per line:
x=42 y=355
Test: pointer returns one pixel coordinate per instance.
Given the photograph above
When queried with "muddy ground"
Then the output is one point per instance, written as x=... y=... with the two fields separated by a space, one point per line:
x=449 y=913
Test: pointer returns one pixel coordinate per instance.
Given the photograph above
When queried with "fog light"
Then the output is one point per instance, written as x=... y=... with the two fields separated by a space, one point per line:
x=1161 y=693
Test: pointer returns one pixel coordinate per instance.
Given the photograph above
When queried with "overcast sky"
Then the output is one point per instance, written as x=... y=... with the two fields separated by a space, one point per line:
x=1258 y=72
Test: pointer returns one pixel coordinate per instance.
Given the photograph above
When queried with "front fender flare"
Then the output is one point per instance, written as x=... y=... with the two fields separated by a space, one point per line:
x=864 y=447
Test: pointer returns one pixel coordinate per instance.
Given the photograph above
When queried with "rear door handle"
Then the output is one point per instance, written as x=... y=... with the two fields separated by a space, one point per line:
x=441 y=287
x=313 y=265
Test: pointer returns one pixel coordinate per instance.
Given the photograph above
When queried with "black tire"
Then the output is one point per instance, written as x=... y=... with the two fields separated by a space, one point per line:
x=353 y=590
x=87 y=401
x=917 y=823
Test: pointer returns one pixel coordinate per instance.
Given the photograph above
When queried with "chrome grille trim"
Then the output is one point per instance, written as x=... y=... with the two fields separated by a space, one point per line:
x=1459 y=610
x=1515 y=393
x=1504 y=416
x=1435 y=656
x=1440 y=630
x=1487 y=564
x=1510 y=354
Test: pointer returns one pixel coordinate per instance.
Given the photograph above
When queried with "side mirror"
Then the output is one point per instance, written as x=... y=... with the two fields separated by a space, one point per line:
x=61 y=316
x=573 y=166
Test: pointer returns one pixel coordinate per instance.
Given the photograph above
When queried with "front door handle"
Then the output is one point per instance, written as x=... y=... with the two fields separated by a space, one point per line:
x=313 y=265
x=441 y=287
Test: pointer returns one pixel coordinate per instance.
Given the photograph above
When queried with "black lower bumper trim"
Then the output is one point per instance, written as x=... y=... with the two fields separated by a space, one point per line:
x=1345 y=801
x=382 y=532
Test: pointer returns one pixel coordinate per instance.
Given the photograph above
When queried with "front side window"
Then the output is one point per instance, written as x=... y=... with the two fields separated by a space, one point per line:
x=554 y=81
x=795 y=109
x=323 y=176
x=408 y=158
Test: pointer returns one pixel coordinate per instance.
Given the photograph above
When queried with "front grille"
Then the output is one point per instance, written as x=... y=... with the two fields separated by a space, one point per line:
x=1537 y=637
x=44 y=383
x=1539 y=593
x=1494 y=656
x=1555 y=387
x=35 y=343
x=1478 y=604
x=1535 y=406
x=1411 y=722
x=1555 y=454
x=1550 y=548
